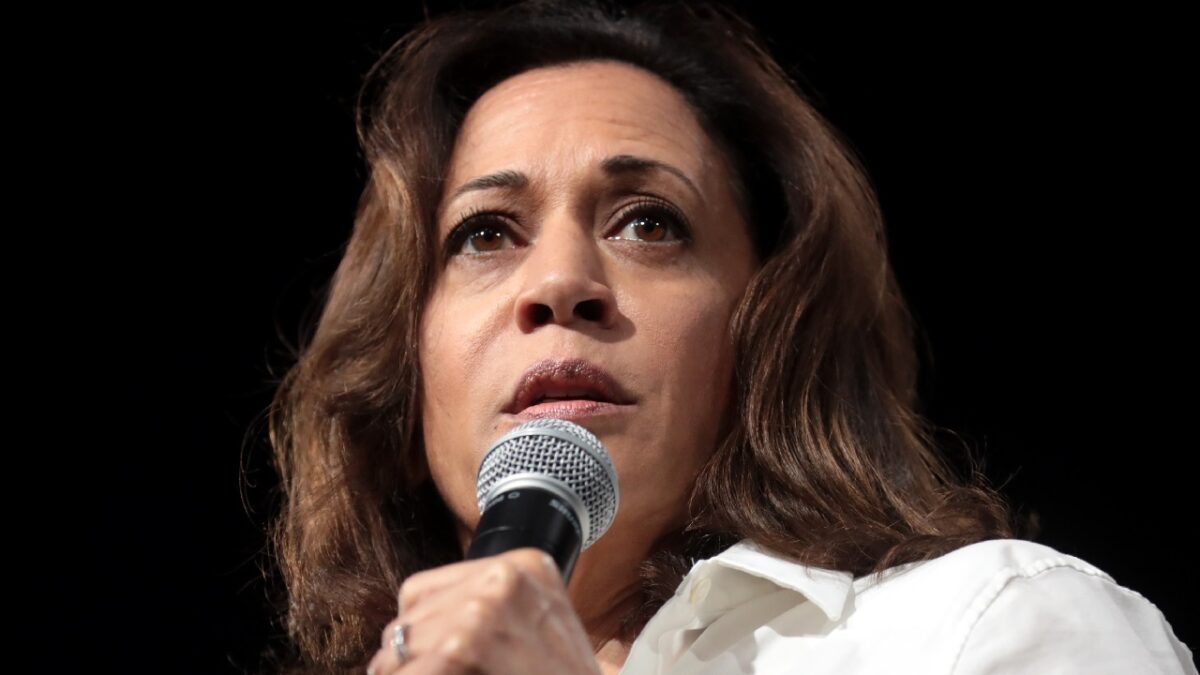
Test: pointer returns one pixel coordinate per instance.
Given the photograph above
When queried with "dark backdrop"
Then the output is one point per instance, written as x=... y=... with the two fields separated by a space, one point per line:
x=1019 y=161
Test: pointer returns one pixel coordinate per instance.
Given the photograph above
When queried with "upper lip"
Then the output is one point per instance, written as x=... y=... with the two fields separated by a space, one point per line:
x=566 y=378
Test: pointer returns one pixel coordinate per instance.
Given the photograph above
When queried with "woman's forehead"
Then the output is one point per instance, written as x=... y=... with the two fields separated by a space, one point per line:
x=572 y=118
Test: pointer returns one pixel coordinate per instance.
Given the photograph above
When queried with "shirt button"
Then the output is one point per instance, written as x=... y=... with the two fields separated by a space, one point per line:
x=700 y=591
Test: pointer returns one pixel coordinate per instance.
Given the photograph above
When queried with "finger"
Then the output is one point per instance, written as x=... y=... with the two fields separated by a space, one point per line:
x=530 y=582
x=449 y=628
x=537 y=596
x=476 y=615
x=446 y=644
x=503 y=592
x=422 y=584
x=537 y=563
x=515 y=600
x=391 y=656
x=519 y=577
x=497 y=605
x=432 y=664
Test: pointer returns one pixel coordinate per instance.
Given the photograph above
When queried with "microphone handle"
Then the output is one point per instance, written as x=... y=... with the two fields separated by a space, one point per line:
x=529 y=516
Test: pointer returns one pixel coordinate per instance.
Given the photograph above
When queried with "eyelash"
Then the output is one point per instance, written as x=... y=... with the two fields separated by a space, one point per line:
x=658 y=207
x=478 y=218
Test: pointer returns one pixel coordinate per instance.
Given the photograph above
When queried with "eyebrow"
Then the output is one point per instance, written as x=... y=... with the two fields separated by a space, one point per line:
x=617 y=165
x=500 y=179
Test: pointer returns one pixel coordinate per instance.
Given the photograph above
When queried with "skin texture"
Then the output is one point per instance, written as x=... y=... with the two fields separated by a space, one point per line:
x=565 y=269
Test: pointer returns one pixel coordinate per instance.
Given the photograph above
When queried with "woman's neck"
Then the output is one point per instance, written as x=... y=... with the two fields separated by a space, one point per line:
x=605 y=589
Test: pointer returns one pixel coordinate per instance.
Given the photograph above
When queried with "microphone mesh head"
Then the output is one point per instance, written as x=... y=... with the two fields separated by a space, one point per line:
x=562 y=450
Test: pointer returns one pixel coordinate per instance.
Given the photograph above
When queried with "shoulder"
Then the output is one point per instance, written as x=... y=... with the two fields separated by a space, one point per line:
x=972 y=576
x=1026 y=607
x=1015 y=606
x=988 y=567
x=1004 y=558
x=1002 y=606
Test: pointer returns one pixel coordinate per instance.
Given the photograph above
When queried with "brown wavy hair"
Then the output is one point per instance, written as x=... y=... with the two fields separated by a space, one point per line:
x=828 y=461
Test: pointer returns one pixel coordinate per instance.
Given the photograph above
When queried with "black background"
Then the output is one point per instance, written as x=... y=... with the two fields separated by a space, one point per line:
x=1030 y=168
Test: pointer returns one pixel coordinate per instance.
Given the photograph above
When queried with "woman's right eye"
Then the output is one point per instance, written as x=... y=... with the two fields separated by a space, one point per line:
x=479 y=234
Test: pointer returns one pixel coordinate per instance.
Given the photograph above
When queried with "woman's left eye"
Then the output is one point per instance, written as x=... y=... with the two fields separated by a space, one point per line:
x=652 y=222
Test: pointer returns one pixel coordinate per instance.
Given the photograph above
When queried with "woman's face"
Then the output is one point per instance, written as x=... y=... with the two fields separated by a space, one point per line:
x=593 y=256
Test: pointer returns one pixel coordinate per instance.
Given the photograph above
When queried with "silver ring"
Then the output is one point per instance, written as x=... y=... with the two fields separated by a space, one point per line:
x=400 y=642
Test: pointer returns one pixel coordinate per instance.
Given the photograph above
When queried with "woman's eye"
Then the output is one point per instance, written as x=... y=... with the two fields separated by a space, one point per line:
x=479 y=234
x=485 y=239
x=653 y=223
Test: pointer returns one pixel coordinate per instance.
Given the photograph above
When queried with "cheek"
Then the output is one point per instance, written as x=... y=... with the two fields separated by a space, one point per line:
x=686 y=347
x=702 y=368
x=446 y=358
x=440 y=364
x=686 y=334
x=457 y=345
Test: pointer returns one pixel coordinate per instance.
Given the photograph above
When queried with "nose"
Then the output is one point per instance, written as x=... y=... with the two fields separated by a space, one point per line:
x=564 y=281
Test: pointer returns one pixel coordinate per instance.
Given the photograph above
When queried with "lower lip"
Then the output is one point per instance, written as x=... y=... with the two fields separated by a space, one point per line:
x=569 y=409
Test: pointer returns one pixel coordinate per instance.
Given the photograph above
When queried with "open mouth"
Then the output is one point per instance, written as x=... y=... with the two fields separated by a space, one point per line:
x=578 y=394
x=566 y=388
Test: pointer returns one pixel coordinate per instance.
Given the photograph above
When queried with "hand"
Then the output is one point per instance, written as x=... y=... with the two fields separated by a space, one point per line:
x=504 y=615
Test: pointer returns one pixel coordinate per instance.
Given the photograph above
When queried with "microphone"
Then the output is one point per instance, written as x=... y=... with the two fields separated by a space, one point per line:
x=549 y=484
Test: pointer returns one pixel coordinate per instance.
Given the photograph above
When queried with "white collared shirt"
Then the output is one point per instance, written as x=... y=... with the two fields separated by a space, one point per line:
x=997 y=607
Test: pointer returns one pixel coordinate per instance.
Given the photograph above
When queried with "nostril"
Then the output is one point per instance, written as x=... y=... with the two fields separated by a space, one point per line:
x=590 y=310
x=540 y=314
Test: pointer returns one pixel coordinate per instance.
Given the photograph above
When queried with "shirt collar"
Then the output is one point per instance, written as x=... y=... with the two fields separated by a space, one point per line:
x=734 y=578
x=827 y=589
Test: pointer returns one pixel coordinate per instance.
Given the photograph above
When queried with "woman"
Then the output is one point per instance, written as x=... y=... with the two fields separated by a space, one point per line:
x=635 y=222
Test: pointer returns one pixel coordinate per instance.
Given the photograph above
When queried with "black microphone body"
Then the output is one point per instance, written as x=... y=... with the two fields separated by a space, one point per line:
x=529 y=516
